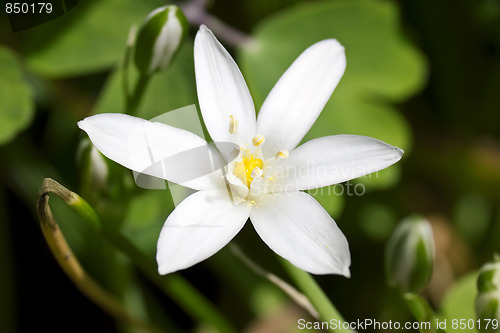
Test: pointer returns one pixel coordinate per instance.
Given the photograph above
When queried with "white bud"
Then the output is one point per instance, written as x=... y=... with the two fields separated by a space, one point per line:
x=159 y=39
x=409 y=256
x=488 y=296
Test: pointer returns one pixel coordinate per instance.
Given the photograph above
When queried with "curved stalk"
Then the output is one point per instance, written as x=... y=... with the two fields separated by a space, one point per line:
x=191 y=301
x=70 y=264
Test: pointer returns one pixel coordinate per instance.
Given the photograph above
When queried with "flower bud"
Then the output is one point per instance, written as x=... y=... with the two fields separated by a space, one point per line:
x=488 y=296
x=409 y=255
x=159 y=39
x=94 y=168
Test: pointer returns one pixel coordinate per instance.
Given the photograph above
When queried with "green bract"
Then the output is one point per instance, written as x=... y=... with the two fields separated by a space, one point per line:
x=409 y=256
x=159 y=38
x=488 y=297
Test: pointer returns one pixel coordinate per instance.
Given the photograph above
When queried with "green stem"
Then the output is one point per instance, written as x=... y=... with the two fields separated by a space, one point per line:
x=134 y=101
x=192 y=301
x=311 y=289
x=294 y=294
x=70 y=264
x=422 y=312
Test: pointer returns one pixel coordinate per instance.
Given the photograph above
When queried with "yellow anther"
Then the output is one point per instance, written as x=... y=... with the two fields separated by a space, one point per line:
x=258 y=140
x=233 y=124
x=282 y=154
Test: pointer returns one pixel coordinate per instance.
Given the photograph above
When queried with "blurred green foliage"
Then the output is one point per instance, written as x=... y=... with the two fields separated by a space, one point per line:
x=86 y=40
x=15 y=94
x=381 y=66
x=422 y=75
x=459 y=303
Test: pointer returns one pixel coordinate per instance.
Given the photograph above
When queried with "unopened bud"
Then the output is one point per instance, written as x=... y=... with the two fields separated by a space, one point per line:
x=488 y=296
x=159 y=39
x=93 y=165
x=409 y=255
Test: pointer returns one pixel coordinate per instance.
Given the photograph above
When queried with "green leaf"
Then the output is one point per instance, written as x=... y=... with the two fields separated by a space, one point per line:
x=379 y=61
x=382 y=68
x=16 y=104
x=89 y=38
x=459 y=302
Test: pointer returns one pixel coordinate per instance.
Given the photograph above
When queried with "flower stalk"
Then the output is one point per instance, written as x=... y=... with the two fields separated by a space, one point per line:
x=134 y=100
x=422 y=311
x=67 y=260
x=299 y=298
x=188 y=298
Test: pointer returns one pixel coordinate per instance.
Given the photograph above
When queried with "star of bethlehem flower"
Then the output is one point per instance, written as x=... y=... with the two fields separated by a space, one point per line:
x=263 y=178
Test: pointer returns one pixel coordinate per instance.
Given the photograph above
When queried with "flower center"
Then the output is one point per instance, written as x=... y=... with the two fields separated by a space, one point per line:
x=243 y=168
x=249 y=164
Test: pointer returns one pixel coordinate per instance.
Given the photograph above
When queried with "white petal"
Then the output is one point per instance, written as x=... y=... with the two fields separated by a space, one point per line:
x=331 y=160
x=222 y=91
x=238 y=190
x=299 y=96
x=182 y=244
x=295 y=226
x=155 y=149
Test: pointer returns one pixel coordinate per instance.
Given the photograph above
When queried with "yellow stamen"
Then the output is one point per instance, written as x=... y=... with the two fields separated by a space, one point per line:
x=258 y=140
x=233 y=124
x=282 y=154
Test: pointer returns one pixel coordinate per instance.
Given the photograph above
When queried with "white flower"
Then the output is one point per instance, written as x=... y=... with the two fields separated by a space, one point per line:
x=264 y=178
